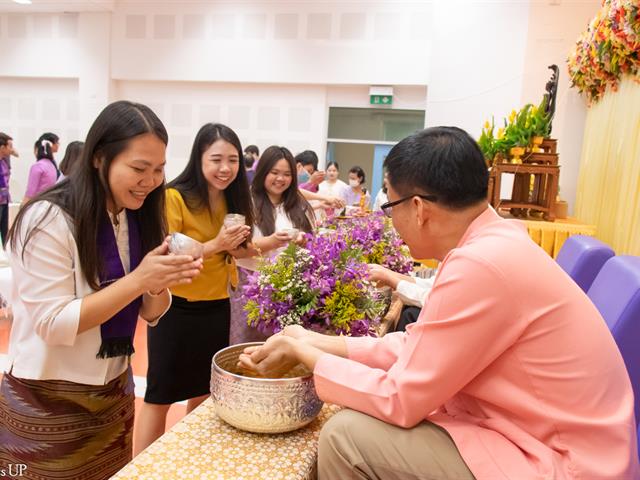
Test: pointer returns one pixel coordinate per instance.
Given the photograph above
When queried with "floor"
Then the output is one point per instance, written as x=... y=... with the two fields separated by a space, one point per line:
x=139 y=364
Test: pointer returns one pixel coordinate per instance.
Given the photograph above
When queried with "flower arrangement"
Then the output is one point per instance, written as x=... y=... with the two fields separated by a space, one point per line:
x=608 y=49
x=530 y=121
x=375 y=239
x=324 y=285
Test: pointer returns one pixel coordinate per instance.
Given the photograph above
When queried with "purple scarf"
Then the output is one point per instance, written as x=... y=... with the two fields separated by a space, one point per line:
x=117 y=332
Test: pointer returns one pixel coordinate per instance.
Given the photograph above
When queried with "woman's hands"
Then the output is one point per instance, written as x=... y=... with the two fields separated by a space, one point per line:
x=159 y=270
x=227 y=239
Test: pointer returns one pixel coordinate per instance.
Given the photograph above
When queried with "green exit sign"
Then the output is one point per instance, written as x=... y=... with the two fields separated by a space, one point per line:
x=381 y=99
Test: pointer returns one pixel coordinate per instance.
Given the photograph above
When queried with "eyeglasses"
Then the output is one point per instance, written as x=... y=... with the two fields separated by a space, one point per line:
x=388 y=207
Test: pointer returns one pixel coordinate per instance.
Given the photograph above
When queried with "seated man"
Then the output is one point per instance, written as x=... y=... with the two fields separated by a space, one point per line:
x=509 y=373
x=412 y=292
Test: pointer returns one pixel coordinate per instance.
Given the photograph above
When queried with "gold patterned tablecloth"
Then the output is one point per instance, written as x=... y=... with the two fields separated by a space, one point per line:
x=202 y=446
x=552 y=235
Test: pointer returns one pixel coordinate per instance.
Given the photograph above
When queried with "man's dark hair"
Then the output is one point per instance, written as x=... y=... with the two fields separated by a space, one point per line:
x=441 y=161
x=4 y=139
x=308 y=157
x=248 y=160
x=253 y=149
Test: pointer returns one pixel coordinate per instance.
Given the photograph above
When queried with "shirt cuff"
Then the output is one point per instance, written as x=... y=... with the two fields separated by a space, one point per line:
x=326 y=364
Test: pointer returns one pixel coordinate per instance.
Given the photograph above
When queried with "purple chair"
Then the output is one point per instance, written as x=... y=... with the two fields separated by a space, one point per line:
x=582 y=258
x=616 y=294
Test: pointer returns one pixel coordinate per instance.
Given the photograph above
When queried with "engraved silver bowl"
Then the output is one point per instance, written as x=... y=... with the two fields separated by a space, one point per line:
x=261 y=405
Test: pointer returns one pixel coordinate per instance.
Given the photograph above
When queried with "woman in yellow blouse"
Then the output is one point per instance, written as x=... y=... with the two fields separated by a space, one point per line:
x=213 y=183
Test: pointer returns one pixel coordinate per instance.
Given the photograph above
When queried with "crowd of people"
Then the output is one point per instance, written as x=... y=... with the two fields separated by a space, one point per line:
x=489 y=378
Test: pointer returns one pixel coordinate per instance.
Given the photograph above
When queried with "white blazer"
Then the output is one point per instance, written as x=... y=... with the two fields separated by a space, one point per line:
x=46 y=295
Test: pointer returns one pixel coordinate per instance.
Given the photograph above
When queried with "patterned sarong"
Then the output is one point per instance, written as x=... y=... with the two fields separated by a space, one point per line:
x=54 y=429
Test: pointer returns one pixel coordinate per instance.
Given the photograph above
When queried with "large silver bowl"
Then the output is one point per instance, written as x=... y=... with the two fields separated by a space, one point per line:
x=261 y=405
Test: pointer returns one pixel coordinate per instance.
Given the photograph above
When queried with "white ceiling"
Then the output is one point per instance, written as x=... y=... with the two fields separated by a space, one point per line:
x=57 y=6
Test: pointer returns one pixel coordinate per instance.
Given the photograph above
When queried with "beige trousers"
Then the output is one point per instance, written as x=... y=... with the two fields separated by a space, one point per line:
x=356 y=446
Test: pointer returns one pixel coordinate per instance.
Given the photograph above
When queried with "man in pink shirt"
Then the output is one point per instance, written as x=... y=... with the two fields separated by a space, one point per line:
x=509 y=373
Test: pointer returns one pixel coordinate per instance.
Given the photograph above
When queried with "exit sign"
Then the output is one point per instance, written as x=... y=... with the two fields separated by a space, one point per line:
x=380 y=99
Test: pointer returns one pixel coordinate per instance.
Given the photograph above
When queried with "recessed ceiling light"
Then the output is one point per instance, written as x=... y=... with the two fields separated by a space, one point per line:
x=23 y=2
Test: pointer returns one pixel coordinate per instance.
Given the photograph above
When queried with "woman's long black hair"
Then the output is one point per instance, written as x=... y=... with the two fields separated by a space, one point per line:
x=83 y=195
x=194 y=188
x=297 y=208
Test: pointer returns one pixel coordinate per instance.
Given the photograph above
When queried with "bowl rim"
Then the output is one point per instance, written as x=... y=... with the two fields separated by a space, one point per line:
x=219 y=369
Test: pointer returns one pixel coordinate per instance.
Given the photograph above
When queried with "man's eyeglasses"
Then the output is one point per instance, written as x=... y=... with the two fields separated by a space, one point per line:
x=388 y=207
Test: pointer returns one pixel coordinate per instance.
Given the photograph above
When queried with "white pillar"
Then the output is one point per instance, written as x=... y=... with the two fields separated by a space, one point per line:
x=95 y=87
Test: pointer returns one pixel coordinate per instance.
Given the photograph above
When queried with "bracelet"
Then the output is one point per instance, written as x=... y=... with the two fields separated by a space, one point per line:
x=151 y=294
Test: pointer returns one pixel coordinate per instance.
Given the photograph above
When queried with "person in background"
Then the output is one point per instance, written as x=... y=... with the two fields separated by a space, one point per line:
x=6 y=151
x=381 y=197
x=44 y=173
x=412 y=291
x=502 y=376
x=53 y=138
x=254 y=151
x=279 y=207
x=88 y=257
x=332 y=185
x=249 y=162
x=309 y=177
x=357 y=195
x=212 y=184
x=71 y=156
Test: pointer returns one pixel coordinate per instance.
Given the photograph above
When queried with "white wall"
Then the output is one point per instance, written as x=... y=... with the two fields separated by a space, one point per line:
x=293 y=116
x=553 y=30
x=477 y=62
x=272 y=69
x=28 y=108
x=328 y=42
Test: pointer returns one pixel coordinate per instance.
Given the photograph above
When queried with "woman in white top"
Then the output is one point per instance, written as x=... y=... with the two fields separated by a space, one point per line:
x=357 y=195
x=279 y=208
x=332 y=186
x=86 y=263
x=381 y=197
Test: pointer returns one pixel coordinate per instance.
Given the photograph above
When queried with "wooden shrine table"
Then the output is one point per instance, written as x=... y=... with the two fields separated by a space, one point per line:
x=541 y=198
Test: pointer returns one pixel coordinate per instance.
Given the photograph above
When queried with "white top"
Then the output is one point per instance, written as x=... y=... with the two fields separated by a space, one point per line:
x=336 y=189
x=283 y=222
x=46 y=295
x=381 y=198
x=415 y=294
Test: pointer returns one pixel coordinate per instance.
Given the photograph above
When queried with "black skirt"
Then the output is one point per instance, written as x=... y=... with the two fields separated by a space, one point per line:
x=181 y=347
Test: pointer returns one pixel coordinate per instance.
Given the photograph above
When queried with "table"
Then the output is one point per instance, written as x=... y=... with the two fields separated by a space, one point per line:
x=541 y=198
x=202 y=446
x=552 y=235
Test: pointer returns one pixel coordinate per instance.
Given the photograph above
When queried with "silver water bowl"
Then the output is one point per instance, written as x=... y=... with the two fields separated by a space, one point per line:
x=261 y=405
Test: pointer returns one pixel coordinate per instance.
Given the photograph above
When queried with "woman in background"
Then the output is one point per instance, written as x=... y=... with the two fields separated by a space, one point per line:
x=213 y=183
x=280 y=207
x=44 y=173
x=357 y=195
x=71 y=156
x=332 y=186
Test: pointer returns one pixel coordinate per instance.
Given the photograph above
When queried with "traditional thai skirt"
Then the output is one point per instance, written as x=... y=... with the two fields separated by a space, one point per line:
x=54 y=429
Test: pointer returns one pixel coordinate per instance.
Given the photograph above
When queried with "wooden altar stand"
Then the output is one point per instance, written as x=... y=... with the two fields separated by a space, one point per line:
x=529 y=195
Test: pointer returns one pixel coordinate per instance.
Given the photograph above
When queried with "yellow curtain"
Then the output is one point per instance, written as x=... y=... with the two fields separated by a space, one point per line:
x=608 y=193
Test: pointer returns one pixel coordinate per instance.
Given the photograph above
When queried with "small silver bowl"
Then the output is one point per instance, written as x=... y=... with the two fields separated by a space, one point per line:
x=261 y=405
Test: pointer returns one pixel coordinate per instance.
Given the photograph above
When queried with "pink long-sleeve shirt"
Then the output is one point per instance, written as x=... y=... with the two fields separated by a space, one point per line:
x=510 y=357
x=42 y=175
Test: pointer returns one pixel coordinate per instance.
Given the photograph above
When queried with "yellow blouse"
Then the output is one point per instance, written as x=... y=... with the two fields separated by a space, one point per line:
x=200 y=225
